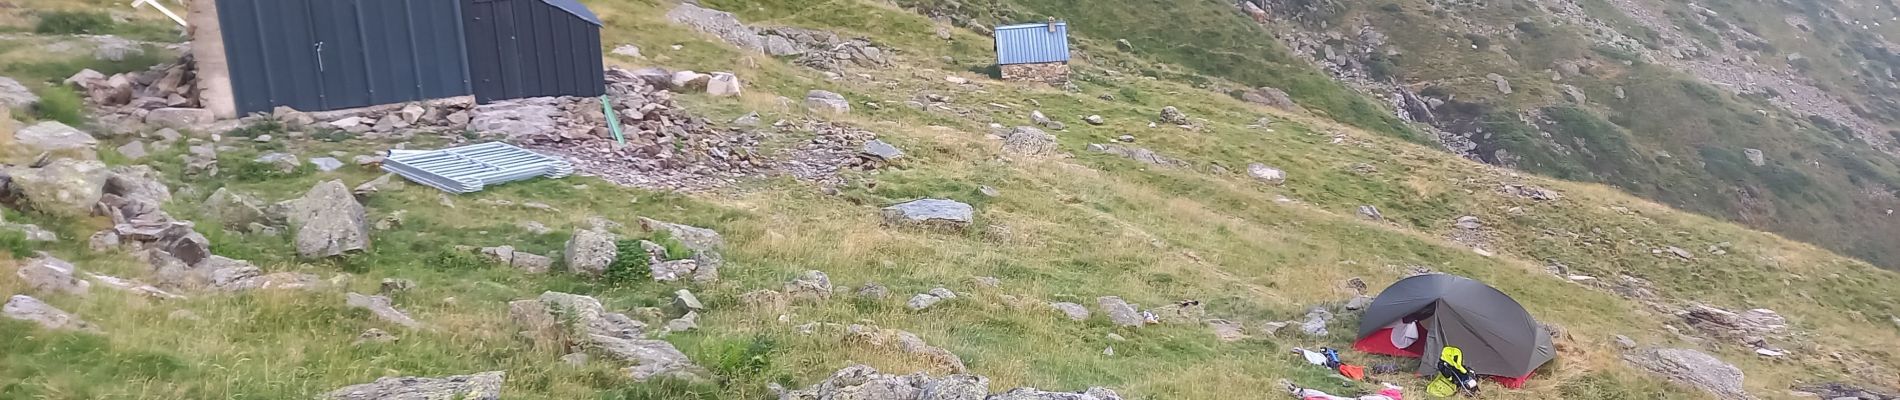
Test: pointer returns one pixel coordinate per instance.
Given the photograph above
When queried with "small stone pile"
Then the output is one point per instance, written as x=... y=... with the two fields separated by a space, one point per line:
x=864 y=382
x=135 y=93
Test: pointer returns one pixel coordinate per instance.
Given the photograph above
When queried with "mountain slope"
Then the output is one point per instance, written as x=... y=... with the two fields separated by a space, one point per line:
x=1071 y=227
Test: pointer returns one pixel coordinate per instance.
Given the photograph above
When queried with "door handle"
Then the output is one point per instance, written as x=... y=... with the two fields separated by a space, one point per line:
x=319 y=46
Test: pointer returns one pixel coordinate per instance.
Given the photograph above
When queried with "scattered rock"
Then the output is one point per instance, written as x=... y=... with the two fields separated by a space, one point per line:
x=694 y=238
x=575 y=359
x=1271 y=97
x=285 y=162
x=482 y=386
x=589 y=252
x=684 y=323
x=1074 y=311
x=1119 y=311
x=15 y=95
x=180 y=118
x=1173 y=116
x=922 y=301
x=1371 y=213
x=824 y=101
x=1624 y=342
x=882 y=151
x=232 y=210
x=874 y=291
x=906 y=342
x=812 y=285
x=64 y=187
x=1693 y=368
x=1359 y=302
x=1028 y=141
x=930 y=213
x=329 y=222
x=1264 y=173
x=1316 y=321
x=29 y=309
x=1504 y=86
x=390 y=286
x=1227 y=331
x=46 y=274
x=382 y=308
x=1094 y=120
x=133 y=150
x=1139 y=154
x=628 y=50
x=326 y=164
x=1273 y=328
x=54 y=139
x=685 y=303
x=724 y=84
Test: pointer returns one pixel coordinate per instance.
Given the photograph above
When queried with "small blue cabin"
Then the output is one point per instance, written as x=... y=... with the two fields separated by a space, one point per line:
x=1034 y=51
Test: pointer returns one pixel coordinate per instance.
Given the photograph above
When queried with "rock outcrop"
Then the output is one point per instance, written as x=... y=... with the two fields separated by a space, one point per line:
x=1693 y=368
x=33 y=310
x=589 y=252
x=65 y=186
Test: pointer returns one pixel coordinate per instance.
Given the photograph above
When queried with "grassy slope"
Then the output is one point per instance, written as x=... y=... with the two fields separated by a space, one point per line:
x=1076 y=228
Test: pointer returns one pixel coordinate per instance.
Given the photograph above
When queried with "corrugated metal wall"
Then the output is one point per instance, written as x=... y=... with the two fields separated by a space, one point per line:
x=332 y=54
x=530 y=48
x=1032 y=43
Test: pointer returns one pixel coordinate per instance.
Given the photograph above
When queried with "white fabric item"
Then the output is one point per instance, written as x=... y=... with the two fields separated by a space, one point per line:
x=1404 y=334
x=1312 y=356
x=1310 y=394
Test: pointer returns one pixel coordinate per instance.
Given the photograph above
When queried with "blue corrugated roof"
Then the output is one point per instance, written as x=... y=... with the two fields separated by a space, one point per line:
x=575 y=7
x=1032 y=43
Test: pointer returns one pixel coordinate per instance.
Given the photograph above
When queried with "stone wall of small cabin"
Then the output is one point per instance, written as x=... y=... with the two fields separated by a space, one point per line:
x=1050 y=72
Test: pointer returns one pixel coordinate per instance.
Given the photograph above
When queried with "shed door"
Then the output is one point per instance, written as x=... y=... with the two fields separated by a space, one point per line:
x=332 y=54
x=528 y=48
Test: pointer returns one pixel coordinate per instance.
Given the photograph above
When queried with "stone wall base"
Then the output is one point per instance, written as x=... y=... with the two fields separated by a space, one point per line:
x=1053 y=73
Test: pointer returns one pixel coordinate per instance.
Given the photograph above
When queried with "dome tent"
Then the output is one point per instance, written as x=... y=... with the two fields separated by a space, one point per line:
x=1497 y=336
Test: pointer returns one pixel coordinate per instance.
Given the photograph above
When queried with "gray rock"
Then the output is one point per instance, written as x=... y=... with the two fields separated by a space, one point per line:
x=46 y=274
x=938 y=213
x=988 y=191
x=1094 y=120
x=688 y=322
x=689 y=81
x=134 y=287
x=29 y=309
x=589 y=252
x=922 y=301
x=1027 y=393
x=1269 y=96
x=718 y=23
x=382 y=308
x=329 y=222
x=138 y=182
x=986 y=281
x=575 y=359
x=1504 y=86
x=326 y=164
x=628 y=50
x=874 y=291
x=1755 y=157
x=1624 y=342
x=1227 y=331
x=284 y=162
x=180 y=118
x=1174 y=116
x=1119 y=311
x=64 y=187
x=15 y=95
x=482 y=386
x=52 y=138
x=1573 y=93
x=234 y=211
x=1074 y=311
x=102 y=241
x=1264 y=173
x=942 y=293
x=813 y=285
x=134 y=150
x=824 y=101
x=1371 y=213
x=373 y=335
x=724 y=84
x=750 y=119
x=882 y=151
x=1359 y=302
x=1316 y=321
x=685 y=303
x=956 y=387
x=1272 y=328
x=532 y=263
x=1029 y=141
x=1468 y=223
x=650 y=358
x=1693 y=368
x=694 y=238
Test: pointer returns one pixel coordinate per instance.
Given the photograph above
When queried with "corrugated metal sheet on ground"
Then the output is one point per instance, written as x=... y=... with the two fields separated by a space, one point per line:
x=1032 y=43
x=469 y=168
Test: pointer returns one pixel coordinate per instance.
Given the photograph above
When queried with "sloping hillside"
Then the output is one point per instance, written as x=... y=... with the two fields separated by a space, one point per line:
x=1182 y=229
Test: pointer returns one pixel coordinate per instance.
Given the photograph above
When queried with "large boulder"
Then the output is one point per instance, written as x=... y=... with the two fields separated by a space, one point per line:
x=55 y=139
x=52 y=275
x=64 y=187
x=180 y=118
x=724 y=84
x=825 y=101
x=482 y=386
x=1174 y=116
x=589 y=252
x=939 y=213
x=26 y=308
x=329 y=222
x=1694 y=368
x=1073 y=311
